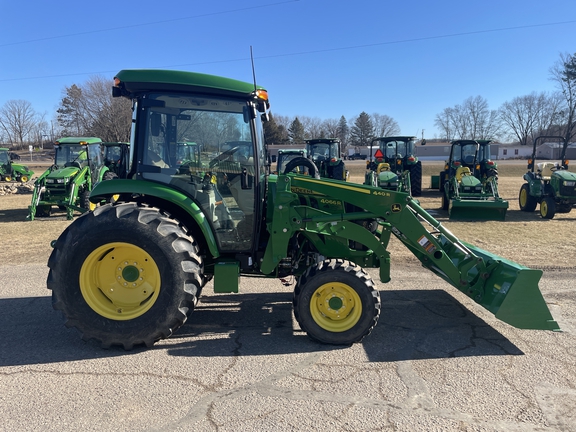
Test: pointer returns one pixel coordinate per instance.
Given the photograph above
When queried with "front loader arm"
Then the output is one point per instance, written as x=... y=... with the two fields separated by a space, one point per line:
x=507 y=289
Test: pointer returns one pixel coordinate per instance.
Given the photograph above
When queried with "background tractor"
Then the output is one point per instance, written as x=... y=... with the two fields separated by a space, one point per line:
x=548 y=183
x=469 y=183
x=78 y=165
x=131 y=271
x=326 y=153
x=393 y=164
x=285 y=156
x=10 y=171
x=116 y=159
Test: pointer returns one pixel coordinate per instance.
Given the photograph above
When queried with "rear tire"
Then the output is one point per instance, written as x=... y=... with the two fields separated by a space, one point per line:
x=125 y=275
x=336 y=302
x=547 y=208
x=527 y=202
x=416 y=179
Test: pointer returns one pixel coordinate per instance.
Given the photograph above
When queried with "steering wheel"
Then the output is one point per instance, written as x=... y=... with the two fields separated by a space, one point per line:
x=302 y=161
x=223 y=156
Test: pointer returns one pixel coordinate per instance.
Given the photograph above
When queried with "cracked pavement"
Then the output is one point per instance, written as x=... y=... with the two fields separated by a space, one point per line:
x=435 y=361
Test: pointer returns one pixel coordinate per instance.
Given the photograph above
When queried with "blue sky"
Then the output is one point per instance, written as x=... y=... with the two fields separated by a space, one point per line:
x=318 y=58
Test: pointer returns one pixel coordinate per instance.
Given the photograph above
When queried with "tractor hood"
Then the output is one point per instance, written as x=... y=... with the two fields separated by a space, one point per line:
x=63 y=173
x=565 y=175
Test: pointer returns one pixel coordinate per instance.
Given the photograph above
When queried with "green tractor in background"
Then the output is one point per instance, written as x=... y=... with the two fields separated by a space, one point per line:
x=130 y=272
x=285 y=156
x=116 y=159
x=78 y=166
x=326 y=154
x=469 y=183
x=549 y=184
x=394 y=165
x=10 y=171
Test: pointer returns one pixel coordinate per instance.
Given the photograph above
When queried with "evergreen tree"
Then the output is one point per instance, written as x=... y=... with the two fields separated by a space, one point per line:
x=362 y=131
x=296 y=131
x=272 y=132
x=343 y=131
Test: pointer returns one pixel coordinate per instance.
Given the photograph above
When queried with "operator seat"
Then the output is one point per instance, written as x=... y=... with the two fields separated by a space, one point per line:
x=545 y=169
x=461 y=172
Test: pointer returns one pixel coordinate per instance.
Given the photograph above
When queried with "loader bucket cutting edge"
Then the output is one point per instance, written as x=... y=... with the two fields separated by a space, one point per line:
x=513 y=296
x=478 y=210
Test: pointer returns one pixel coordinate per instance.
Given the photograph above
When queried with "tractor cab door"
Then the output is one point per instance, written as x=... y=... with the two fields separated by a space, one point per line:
x=95 y=161
x=227 y=177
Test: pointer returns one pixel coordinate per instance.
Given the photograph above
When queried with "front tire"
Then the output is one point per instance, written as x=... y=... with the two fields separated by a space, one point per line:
x=547 y=208
x=125 y=275
x=335 y=302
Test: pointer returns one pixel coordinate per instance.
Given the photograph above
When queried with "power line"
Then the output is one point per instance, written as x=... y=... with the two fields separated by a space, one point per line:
x=147 y=24
x=424 y=38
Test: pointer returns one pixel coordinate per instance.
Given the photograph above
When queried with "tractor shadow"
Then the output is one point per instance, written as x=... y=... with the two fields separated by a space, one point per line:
x=414 y=324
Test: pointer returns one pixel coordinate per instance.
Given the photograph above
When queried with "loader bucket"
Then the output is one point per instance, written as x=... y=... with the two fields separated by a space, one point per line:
x=463 y=209
x=512 y=294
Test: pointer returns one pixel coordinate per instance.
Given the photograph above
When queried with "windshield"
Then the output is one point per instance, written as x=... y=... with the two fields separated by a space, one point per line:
x=464 y=153
x=323 y=151
x=4 y=159
x=68 y=154
x=397 y=149
x=205 y=148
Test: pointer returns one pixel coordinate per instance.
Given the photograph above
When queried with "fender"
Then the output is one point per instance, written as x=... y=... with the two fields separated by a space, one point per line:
x=106 y=189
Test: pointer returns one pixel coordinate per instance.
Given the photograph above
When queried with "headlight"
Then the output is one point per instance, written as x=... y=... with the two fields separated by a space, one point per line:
x=60 y=181
x=569 y=183
x=49 y=180
x=467 y=188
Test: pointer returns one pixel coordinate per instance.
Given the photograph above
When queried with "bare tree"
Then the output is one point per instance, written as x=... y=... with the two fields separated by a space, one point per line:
x=384 y=125
x=312 y=126
x=564 y=74
x=17 y=120
x=91 y=110
x=471 y=120
x=529 y=116
x=329 y=128
x=444 y=123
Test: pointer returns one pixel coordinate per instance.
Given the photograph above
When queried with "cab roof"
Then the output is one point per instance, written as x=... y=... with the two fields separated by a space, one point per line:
x=147 y=80
x=78 y=140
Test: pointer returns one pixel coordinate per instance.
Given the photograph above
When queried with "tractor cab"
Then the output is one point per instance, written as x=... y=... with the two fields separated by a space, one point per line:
x=199 y=155
x=116 y=158
x=326 y=154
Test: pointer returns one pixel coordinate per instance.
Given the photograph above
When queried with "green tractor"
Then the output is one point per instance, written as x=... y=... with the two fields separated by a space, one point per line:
x=549 y=184
x=394 y=165
x=326 y=154
x=285 y=156
x=78 y=166
x=116 y=159
x=10 y=171
x=130 y=272
x=469 y=183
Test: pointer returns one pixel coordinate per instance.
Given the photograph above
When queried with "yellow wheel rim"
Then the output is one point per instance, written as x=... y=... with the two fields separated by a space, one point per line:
x=24 y=179
x=92 y=206
x=120 y=281
x=8 y=178
x=523 y=197
x=543 y=208
x=335 y=307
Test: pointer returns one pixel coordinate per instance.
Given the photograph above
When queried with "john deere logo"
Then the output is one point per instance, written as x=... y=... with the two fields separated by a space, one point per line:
x=396 y=208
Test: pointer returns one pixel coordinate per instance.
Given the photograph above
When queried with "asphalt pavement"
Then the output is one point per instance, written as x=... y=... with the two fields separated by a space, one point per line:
x=436 y=361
